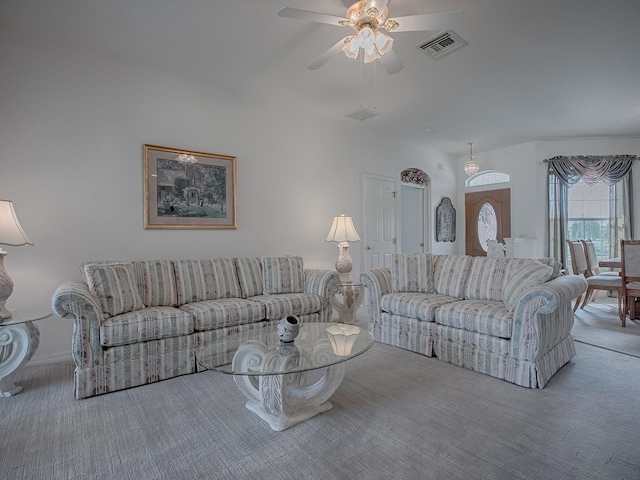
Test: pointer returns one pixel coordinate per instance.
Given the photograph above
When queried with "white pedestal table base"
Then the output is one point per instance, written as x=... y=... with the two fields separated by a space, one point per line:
x=286 y=400
x=18 y=343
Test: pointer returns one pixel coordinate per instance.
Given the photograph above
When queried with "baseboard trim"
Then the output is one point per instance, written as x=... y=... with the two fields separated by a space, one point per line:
x=49 y=359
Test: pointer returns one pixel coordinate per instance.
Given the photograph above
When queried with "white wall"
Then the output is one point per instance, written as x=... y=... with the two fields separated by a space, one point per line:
x=524 y=163
x=71 y=136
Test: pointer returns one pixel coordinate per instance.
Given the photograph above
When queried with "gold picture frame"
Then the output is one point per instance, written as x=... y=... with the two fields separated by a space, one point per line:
x=188 y=190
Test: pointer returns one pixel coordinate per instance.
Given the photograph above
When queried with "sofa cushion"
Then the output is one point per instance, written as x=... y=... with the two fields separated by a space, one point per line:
x=115 y=287
x=277 y=306
x=199 y=280
x=459 y=336
x=282 y=275
x=412 y=272
x=156 y=283
x=414 y=305
x=450 y=274
x=487 y=278
x=525 y=278
x=144 y=325
x=481 y=316
x=250 y=276
x=214 y=314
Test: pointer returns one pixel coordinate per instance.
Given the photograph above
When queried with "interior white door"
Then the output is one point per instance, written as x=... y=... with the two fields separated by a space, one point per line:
x=380 y=220
x=411 y=219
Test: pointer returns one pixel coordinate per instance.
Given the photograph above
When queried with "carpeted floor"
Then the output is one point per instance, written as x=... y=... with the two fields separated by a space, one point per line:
x=397 y=415
x=598 y=324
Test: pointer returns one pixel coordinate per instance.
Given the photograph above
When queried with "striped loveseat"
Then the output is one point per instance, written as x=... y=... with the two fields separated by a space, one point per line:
x=140 y=322
x=510 y=318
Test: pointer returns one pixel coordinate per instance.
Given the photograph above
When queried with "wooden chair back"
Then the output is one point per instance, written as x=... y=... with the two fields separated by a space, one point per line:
x=630 y=274
x=578 y=257
x=592 y=258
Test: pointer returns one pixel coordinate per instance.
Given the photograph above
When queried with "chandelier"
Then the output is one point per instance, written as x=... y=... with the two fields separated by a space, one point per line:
x=366 y=23
x=471 y=166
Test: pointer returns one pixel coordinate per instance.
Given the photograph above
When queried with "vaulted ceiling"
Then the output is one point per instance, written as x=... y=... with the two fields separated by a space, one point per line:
x=532 y=69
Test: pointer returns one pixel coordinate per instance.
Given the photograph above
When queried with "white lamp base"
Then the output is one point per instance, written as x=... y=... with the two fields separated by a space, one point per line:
x=6 y=287
x=344 y=264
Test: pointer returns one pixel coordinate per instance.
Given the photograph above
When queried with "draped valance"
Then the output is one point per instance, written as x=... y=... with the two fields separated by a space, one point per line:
x=609 y=169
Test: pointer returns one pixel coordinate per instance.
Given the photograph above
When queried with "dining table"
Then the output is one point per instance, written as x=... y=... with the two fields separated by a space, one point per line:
x=615 y=262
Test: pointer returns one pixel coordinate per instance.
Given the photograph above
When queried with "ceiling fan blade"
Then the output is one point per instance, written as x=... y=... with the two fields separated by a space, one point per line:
x=328 y=55
x=428 y=21
x=309 y=16
x=377 y=4
x=391 y=62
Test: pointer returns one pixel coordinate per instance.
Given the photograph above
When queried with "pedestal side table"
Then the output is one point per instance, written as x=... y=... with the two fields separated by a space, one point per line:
x=19 y=339
x=346 y=298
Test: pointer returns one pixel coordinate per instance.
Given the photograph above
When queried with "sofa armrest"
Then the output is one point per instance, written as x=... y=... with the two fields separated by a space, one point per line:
x=73 y=300
x=543 y=316
x=378 y=282
x=320 y=282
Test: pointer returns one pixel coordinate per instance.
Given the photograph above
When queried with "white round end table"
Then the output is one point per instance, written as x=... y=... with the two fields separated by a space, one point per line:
x=19 y=339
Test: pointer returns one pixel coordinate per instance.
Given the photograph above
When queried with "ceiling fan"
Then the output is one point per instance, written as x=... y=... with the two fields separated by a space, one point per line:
x=367 y=18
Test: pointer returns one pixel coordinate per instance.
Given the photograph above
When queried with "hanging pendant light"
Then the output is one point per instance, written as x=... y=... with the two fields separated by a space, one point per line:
x=471 y=166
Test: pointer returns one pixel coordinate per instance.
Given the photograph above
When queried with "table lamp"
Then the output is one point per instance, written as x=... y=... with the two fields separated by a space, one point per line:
x=343 y=231
x=11 y=233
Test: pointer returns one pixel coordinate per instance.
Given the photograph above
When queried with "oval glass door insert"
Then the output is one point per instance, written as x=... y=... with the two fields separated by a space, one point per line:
x=487 y=225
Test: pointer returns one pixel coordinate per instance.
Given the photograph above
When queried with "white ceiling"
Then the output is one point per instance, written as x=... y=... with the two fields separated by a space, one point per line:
x=533 y=69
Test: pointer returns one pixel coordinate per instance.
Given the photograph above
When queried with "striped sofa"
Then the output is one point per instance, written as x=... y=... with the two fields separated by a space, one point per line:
x=510 y=318
x=140 y=322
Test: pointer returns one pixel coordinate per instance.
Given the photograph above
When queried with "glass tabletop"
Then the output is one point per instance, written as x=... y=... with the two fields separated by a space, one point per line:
x=260 y=352
x=25 y=316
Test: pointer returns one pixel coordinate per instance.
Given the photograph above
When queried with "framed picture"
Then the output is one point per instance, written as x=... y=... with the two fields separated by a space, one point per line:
x=188 y=190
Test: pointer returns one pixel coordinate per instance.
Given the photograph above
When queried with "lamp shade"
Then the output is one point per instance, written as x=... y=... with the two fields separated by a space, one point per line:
x=342 y=230
x=11 y=232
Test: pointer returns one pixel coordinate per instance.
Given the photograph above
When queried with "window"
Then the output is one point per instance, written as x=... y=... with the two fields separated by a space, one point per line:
x=588 y=209
x=487 y=177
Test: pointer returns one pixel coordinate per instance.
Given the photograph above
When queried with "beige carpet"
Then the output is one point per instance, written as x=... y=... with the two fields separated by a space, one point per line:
x=598 y=325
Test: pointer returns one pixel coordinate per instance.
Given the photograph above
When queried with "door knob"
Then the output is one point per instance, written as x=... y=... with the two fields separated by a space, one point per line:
x=369 y=247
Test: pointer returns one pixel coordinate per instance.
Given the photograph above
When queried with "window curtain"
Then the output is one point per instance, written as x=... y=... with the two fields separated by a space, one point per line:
x=558 y=195
x=620 y=213
x=564 y=172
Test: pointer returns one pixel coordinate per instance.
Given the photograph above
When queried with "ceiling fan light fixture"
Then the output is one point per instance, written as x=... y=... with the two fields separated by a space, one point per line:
x=351 y=46
x=383 y=43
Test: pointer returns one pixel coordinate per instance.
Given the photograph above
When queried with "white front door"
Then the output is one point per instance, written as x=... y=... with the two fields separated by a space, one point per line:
x=379 y=220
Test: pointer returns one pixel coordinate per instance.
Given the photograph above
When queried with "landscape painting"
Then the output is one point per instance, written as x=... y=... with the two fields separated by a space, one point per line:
x=188 y=190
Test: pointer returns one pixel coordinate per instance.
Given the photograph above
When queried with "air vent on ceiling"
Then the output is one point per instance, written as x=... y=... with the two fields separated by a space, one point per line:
x=362 y=114
x=442 y=44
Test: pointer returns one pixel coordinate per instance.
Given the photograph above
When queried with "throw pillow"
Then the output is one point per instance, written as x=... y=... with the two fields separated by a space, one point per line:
x=115 y=287
x=412 y=272
x=282 y=275
x=523 y=279
x=250 y=276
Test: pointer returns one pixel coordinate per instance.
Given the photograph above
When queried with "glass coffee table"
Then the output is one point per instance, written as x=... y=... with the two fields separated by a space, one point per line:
x=287 y=383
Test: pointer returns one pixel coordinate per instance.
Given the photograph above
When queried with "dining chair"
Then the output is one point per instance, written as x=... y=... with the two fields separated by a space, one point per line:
x=594 y=282
x=578 y=263
x=592 y=260
x=630 y=275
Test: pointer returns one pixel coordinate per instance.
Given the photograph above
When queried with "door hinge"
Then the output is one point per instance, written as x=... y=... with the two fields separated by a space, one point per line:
x=393 y=241
x=394 y=194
